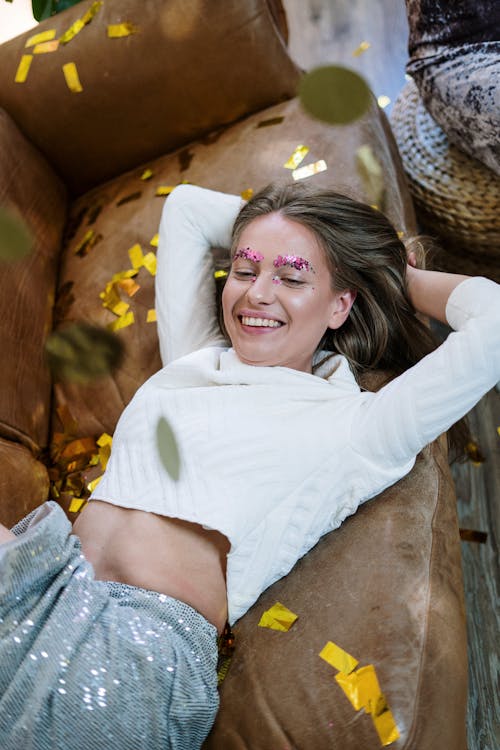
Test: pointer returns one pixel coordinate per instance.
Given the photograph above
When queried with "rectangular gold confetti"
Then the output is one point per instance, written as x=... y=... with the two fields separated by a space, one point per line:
x=136 y=256
x=386 y=727
x=338 y=658
x=123 y=322
x=92 y=485
x=361 y=48
x=104 y=439
x=129 y=286
x=71 y=76
x=247 y=194
x=149 y=262
x=124 y=275
x=44 y=47
x=309 y=170
x=278 y=617
x=120 y=308
x=220 y=274
x=76 y=504
x=147 y=174
x=361 y=687
x=23 y=69
x=43 y=36
x=118 y=30
x=151 y=317
x=164 y=190
x=154 y=240
x=79 y=24
x=298 y=155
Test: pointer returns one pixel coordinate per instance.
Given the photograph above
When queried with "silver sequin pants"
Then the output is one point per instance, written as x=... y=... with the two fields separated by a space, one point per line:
x=88 y=664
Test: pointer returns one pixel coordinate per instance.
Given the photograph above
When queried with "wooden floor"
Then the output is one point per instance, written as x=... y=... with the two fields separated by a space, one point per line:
x=328 y=31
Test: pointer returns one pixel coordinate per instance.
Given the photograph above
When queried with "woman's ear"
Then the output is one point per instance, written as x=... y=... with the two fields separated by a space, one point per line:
x=342 y=307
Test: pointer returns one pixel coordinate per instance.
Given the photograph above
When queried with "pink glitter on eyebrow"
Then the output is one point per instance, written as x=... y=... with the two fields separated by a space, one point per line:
x=294 y=261
x=248 y=254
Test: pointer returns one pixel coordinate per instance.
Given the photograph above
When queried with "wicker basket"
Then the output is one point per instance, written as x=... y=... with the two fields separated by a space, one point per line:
x=456 y=197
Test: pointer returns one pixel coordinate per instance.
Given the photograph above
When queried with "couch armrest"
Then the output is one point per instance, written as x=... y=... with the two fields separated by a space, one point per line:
x=30 y=189
x=189 y=69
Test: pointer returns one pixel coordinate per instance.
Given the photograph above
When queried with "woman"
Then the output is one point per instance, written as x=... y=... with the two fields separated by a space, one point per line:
x=278 y=445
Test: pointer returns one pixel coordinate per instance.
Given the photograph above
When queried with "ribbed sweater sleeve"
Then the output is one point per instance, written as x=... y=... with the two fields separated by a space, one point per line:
x=193 y=221
x=393 y=425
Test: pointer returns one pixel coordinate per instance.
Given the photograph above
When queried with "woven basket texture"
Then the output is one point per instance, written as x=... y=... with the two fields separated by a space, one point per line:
x=456 y=197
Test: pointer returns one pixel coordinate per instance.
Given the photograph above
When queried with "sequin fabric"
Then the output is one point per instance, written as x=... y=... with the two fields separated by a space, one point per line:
x=88 y=664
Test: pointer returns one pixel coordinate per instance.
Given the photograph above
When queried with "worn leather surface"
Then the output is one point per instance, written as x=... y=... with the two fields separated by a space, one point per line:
x=24 y=482
x=190 y=67
x=29 y=189
x=239 y=157
x=386 y=586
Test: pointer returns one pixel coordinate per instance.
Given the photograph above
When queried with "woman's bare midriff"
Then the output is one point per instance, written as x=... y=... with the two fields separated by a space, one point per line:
x=168 y=555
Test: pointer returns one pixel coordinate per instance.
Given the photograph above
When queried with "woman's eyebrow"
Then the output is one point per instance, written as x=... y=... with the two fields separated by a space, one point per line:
x=295 y=261
x=248 y=254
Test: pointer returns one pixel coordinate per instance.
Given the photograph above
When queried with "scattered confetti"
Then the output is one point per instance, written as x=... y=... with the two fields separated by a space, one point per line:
x=401 y=234
x=81 y=352
x=338 y=658
x=119 y=30
x=76 y=504
x=151 y=316
x=147 y=174
x=43 y=36
x=361 y=48
x=129 y=286
x=44 y=47
x=122 y=322
x=278 y=617
x=136 y=256
x=334 y=94
x=309 y=170
x=220 y=274
x=167 y=448
x=72 y=79
x=471 y=535
x=90 y=239
x=154 y=240
x=149 y=262
x=23 y=69
x=164 y=190
x=247 y=194
x=474 y=453
x=297 y=157
x=383 y=101
x=371 y=173
x=78 y=25
x=16 y=241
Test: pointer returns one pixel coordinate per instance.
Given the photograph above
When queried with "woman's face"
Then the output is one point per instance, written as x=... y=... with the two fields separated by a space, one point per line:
x=278 y=299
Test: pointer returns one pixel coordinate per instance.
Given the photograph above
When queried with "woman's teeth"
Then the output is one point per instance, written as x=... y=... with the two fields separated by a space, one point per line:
x=266 y=322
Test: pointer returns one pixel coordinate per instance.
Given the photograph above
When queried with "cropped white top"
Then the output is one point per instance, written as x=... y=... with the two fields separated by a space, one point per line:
x=270 y=456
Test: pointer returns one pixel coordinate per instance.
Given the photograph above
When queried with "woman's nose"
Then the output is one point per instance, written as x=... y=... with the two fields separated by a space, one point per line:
x=263 y=289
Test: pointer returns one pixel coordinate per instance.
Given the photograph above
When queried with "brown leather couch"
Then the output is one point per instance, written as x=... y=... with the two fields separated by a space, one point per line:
x=204 y=91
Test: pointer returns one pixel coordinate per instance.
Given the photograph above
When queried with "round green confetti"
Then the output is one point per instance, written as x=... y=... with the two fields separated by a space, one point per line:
x=81 y=352
x=334 y=94
x=16 y=241
x=167 y=448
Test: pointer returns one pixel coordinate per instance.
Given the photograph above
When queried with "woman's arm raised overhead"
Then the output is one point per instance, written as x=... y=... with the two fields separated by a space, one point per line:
x=395 y=423
x=193 y=221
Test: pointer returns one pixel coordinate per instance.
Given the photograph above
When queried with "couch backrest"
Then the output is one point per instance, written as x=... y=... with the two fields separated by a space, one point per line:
x=190 y=66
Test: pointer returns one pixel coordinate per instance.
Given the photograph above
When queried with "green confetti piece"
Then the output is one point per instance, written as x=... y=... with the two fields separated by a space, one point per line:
x=334 y=94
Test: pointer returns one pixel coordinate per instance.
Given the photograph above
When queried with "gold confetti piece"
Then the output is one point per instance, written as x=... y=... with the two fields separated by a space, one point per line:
x=334 y=94
x=383 y=101
x=471 y=535
x=361 y=48
x=136 y=256
x=123 y=322
x=220 y=274
x=154 y=241
x=371 y=173
x=151 y=317
x=338 y=658
x=87 y=243
x=147 y=174
x=78 y=25
x=498 y=430
x=164 y=189
x=247 y=194
x=360 y=686
x=167 y=448
x=474 y=453
x=149 y=262
x=44 y=47
x=104 y=439
x=92 y=485
x=129 y=286
x=110 y=297
x=298 y=155
x=270 y=121
x=124 y=275
x=401 y=234
x=385 y=726
x=43 y=36
x=23 y=69
x=118 y=30
x=76 y=504
x=120 y=308
x=71 y=76
x=278 y=617
x=309 y=170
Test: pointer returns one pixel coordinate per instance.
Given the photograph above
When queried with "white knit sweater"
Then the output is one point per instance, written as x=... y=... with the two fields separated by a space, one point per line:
x=273 y=457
